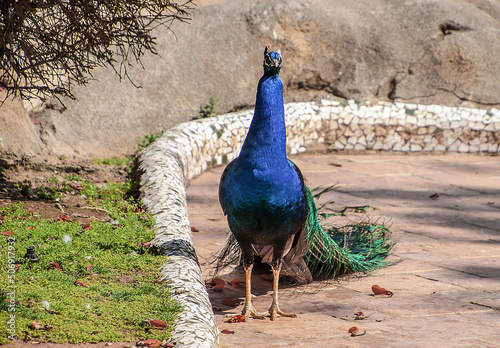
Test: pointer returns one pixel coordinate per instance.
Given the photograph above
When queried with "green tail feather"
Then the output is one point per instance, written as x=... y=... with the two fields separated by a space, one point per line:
x=354 y=248
x=360 y=247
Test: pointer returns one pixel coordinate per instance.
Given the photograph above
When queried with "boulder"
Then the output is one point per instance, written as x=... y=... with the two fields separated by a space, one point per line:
x=418 y=51
x=19 y=138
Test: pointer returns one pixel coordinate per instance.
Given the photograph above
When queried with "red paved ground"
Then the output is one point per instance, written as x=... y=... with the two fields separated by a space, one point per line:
x=446 y=287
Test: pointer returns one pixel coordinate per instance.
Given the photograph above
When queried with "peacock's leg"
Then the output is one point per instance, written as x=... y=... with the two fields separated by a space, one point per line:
x=248 y=310
x=275 y=309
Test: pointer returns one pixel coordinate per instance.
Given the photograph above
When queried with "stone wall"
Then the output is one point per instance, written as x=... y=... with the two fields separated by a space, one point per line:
x=188 y=149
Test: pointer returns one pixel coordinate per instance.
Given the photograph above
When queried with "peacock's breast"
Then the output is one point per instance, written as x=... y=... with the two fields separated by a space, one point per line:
x=265 y=204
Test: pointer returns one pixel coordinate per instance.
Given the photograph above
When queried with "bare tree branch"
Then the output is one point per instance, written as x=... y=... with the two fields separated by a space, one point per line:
x=47 y=46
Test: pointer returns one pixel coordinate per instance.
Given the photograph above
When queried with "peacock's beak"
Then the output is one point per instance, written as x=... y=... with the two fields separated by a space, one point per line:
x=276 y=63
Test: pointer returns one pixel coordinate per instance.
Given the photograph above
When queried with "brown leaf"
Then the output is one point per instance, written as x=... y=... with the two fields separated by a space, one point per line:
x=236 y=319
x=217 y=284
x=158 y=324
x=79 y=282
x=359 y=316
x=36 y=325
x=77 y=187
x=63 y=217
x=7 y=233
x=89 y=267
x=86 y=226
x=231 y=302
x=158 y=280
x=227 y=332
x=194 y=229
x=55 y=265
x=377 y=290
x=152 y=343
x=235 y=283
x=353 y=330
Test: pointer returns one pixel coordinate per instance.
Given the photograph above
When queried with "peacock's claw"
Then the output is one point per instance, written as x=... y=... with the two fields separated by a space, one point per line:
x=250 y=311
x=275 y=311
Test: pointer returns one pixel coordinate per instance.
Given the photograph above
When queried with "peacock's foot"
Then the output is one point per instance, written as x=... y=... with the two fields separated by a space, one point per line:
x=249 y=311
x=274 y=311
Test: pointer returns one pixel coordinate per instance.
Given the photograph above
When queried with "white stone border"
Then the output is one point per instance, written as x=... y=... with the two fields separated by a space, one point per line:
x=188 y=149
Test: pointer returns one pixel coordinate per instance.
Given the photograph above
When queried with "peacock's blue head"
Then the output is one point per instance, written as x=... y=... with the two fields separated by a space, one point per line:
x=272 y=62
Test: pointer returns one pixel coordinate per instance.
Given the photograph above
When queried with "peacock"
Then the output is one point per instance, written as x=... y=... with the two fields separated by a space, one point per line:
x=272 y=213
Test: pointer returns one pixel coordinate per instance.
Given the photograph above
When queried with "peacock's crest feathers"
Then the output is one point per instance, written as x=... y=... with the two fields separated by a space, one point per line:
x=272 y=62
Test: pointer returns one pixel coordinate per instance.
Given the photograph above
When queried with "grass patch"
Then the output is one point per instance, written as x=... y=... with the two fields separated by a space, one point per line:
x=113 y=259
x=207 y=110
x=147 y=140
x=113 y=161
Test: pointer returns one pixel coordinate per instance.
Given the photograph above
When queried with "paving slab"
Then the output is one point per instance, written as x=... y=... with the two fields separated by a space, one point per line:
x=446 y=284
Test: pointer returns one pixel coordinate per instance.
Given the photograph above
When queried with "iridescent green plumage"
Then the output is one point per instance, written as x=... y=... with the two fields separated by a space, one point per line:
x=360 y=247
x=356 y=248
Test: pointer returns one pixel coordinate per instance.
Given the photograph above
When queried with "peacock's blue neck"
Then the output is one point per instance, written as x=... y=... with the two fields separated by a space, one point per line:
x=265 y=144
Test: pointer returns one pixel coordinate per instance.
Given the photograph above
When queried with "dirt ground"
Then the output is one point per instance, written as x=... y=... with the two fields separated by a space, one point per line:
x=72 y=203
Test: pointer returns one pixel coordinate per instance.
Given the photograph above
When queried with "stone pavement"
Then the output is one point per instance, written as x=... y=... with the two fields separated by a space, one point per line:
x=444 y=212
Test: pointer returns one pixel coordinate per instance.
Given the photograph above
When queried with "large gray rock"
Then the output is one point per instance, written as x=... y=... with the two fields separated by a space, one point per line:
x=18 y=136
x=441 y=51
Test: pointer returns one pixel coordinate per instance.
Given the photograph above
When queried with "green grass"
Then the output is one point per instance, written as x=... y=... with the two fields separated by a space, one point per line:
x=147 y=140
x=112 y=161
x=207 y=110
x=53 y=193
x=110 y=257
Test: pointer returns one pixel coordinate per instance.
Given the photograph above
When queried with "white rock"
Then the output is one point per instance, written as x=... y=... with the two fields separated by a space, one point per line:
x=415 y=148
x=378 y=145
x=439 y=148
x=484 y=147
x=463 y=148
x=338 y=145
x=410 y=119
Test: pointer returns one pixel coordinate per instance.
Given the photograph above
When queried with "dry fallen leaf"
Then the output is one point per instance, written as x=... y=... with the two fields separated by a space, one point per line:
x=377 y=290
x=7 y=233
x=158 y=324
x=63 y=217
x=152 y=343
x=235 y=283
x=359 y=316
x=36 y=325
x=354 y=331
x=194 y=229
x=217 y=284
x=55 y=265
x=236 y=319
x=89 y=267
x=79 y=282
x=227 y=332
x=158 y=280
